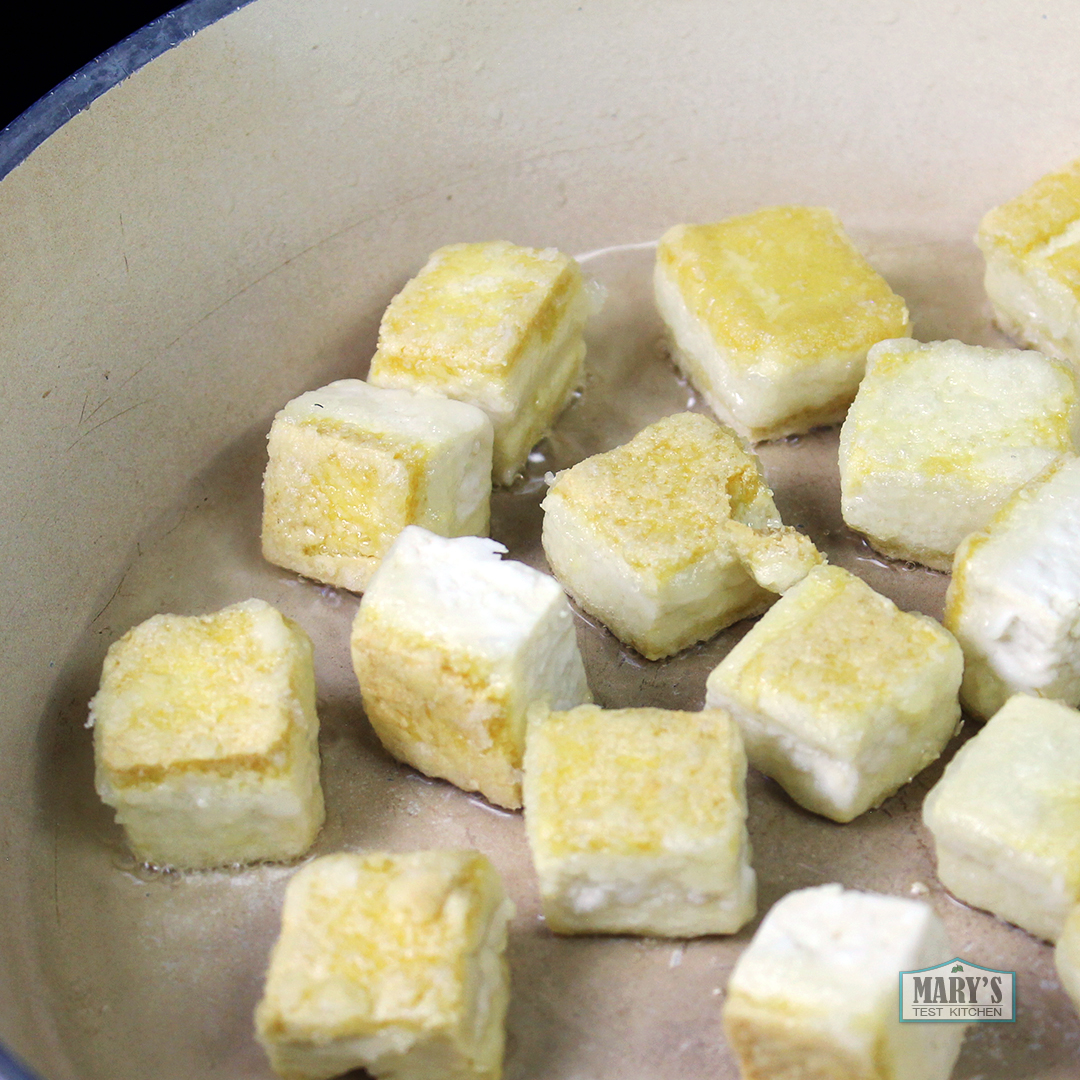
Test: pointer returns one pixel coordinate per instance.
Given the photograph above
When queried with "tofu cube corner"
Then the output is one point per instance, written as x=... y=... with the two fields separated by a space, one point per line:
x=496 y=325
x=636 y=819
x=451 y=646
x=771 y=315
x=394 y=963
x=941 y=434
x=1067 y=957
x=671 y=537
x=815 y=995
x=1032 y=248
x=841 y=697
x=1005 y=816
x=350 y=465
x=206 y=738
x=1014 y=599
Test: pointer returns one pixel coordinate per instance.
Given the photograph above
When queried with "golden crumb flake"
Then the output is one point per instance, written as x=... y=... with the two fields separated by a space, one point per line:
x=634 y=781
x=472 y=310
x=663 y=500
x=785 y=282
x=183 y=691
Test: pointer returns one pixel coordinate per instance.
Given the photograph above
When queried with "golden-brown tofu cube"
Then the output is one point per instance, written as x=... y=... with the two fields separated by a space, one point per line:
x=1005 y=816
x=351 y=465
x=637 y=821
x=841 y=697
x=1032 y=249
x=771 y=315
x=496 y=325
x=451 y=646
x=671 y=537
x=390 y=963
x=206 y=738
x=941 y=434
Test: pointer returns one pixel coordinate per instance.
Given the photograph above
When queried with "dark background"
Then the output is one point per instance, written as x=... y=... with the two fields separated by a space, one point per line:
x=48 y=42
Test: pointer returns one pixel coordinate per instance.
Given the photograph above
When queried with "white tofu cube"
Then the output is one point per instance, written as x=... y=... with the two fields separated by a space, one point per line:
x=390 y=963
x=1032 y=250
x=1067 y=957
x=451 y=645
x=771 y=314
x=1006 y=816
x=206 y=738
x=351 y=465
x=815 y=995
x=498 y=326
x=841 y=697
x=941 y=434
x=671 y=537
x=1014 y=599
x=636 y=819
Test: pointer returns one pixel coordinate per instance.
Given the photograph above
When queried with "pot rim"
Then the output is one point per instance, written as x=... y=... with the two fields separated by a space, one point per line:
x=30 y=129
x=47 y=115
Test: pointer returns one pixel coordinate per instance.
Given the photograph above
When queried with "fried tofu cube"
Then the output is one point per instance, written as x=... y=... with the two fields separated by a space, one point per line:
x=1005 y=816
x=390 y=963
x=941 y=434
x=770 y=316
x=841 y=697
x=636 y=819
x=206 y=738
x=1032 y=250
x=498 y=326
x=815 y=995
x=671 y=537
x=451 y=646
x=1014 y=599
x=351 y=465
x=1067 y=956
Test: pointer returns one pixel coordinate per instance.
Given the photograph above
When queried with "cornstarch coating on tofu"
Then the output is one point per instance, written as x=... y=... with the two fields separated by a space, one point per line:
x=770 y=316
x=390 y=963
x=1005 y=816
x=206 y=738
x=451 y=646
x=498 y=326
x=636 y=819
x=841 y=697
x=672 y=537
x=351 y=465
x=941 y=434
x=1014 y=599
x=1032 y=250
x=815 y=995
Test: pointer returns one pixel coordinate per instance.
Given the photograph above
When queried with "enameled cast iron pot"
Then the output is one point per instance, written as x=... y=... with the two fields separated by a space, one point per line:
x=221 y=228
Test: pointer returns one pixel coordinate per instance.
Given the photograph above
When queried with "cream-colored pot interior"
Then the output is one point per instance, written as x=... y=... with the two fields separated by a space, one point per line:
x=222 y=231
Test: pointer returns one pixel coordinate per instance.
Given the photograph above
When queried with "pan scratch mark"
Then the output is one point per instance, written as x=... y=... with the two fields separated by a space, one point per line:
x=85 y=402
x=138 y=371
x=107 y=420
x=127 y=269
x=110 y=600
x=97 y=408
